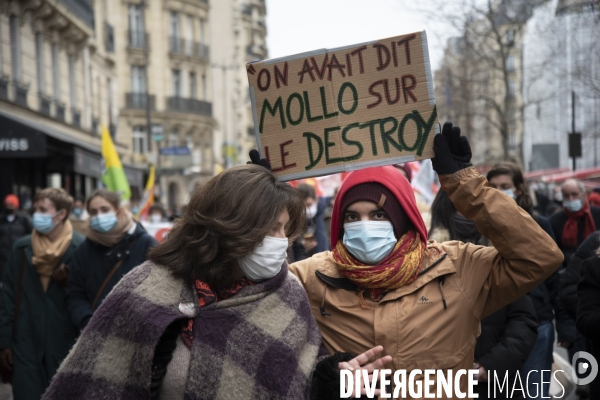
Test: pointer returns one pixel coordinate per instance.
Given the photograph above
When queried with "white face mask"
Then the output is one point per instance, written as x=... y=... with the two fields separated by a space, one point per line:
x=311 y=211
x=155 y=218
x=509 y=192
x=266 y=260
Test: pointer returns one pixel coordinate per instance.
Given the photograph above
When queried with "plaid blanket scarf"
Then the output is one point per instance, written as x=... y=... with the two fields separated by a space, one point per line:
x=262 y=343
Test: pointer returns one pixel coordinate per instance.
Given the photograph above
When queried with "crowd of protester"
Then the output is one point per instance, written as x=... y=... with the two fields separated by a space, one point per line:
x=81 y=270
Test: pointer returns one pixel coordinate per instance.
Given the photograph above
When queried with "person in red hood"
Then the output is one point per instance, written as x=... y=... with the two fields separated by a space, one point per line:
x=384 y=284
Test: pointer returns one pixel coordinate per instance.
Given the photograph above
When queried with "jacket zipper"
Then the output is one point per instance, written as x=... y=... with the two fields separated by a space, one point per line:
x=441 y=280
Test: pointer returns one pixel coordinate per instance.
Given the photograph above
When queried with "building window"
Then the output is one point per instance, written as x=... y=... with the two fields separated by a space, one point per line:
x=193 y=86
x=512 y=89
x=510 y=63
x=202 y=38
x=510 y=36
x=176 y=83
x=512 y=116
x=174 y=24
x=512 y=141
x=15 y=48
x=111 y=126
x=109 y=37
x=189 y=44
x=138 y=79
x=39 y=54
x=203 y=87
x=140 y=140
x=136 y=25
x=72 y=83
x=173 y=139
x=55 y=72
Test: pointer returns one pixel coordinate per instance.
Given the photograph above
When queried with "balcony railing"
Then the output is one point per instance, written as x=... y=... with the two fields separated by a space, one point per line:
x=139 y=101
x=76 y=117
x=21 y=90
x=44 y=104
x=202 y=51
x=190 y=106
x=137 y=39
x=256 y=52
x=59 y=110
x=187 y=47
x=176 y=44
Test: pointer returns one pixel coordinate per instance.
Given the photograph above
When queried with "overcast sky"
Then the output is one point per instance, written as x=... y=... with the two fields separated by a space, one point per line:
x=295 y=26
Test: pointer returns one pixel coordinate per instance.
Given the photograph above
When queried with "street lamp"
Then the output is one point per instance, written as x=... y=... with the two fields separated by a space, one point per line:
x=158 y=135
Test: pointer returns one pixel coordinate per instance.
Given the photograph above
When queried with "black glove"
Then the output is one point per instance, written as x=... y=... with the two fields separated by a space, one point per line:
x=325 y=383
x=255 y=159
x=452 y=151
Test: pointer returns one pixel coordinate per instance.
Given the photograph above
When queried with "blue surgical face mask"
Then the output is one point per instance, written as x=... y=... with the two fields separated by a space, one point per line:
x=369 y=241
x=573 y=205
x=103 y=222
x=509 y=192
x=78 y=212
x=42 y=222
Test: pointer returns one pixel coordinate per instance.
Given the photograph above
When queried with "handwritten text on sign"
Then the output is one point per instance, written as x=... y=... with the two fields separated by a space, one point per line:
x=338 y=110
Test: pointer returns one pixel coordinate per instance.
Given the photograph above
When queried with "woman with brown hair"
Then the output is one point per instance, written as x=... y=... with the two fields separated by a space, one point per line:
x=214 y=313
x=36 y=332
x=114 y=245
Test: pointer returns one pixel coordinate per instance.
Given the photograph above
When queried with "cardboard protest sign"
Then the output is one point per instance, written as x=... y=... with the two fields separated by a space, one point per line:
x=328 y=111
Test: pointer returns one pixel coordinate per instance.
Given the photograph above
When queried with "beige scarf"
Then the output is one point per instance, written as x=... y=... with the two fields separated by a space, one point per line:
x=112 y=237
x=47 y=253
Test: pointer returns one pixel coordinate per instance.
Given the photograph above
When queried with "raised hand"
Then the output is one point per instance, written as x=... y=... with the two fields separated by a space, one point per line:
x=362 y=362
x=255 y=159
x=452 y=151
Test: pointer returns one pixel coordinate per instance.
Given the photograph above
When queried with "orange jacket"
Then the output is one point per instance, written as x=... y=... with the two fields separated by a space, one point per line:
x=412 y=323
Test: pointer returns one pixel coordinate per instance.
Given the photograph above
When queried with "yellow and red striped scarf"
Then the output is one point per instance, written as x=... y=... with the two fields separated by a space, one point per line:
x=398 y=269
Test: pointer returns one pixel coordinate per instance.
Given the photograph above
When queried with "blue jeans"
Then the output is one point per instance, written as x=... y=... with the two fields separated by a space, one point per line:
x=539 y=359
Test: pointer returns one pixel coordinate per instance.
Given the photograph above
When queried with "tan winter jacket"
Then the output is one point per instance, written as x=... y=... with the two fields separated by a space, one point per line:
x=412 y=323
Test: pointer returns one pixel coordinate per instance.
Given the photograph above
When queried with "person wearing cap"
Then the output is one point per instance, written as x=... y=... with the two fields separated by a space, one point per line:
x=384 y=284
x=13 y=226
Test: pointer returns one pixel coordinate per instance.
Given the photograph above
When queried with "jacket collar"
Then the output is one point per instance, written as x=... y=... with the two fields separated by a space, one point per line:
x=431 y=268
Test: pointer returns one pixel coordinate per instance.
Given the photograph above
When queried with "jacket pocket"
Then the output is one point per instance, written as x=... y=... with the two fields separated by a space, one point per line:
x=436 y=327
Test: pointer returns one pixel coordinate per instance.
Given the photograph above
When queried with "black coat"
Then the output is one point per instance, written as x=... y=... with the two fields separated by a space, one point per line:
x=558 y=222
x=588 y=311
x=44 y=333
x=546 y=301
x=91 y=265
x=507 y=337
x=10 y=232
x=571 y=275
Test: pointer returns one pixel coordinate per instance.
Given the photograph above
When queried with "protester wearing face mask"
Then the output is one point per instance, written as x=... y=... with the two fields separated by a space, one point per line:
x=13 y=226
x=214 y=313
x=157 y=214
x=79 y=216
x=115 y=244
x=384 y=284
x=508 y=178
x=36 y=331
x=576 y=220
x=314 y=237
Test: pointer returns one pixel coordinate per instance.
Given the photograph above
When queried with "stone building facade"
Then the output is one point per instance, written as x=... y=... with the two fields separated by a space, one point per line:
x=238 y=35
x=162 y=54
x=58 y=86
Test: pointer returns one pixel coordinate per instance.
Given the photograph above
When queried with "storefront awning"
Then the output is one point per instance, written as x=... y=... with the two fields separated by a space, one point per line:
x=50 y=131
